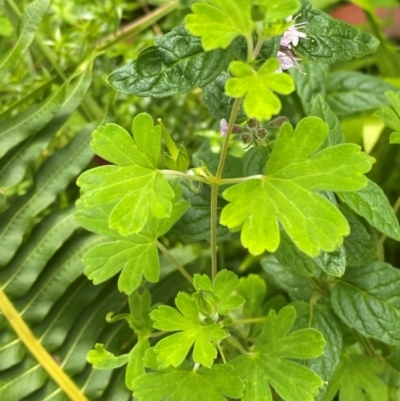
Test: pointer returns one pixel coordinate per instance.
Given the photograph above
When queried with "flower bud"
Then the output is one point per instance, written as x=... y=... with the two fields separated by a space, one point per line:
x=277 y=122
x=177 y=157
x=246 y=137
x=181 y=161
x=252 y=123
x=261 y=133
x=209 y=303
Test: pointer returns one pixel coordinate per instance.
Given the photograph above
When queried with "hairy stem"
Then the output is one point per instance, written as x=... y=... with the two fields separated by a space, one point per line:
x=168 y=254
x=214 y=188
x=36 y=348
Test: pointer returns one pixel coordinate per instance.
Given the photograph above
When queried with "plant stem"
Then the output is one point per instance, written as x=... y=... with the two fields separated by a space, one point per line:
x=36 y=348
x=214 y=189
x=383 y=238
x=173 y=173
x=168 y=254
x=221 y=352
x=248 y=321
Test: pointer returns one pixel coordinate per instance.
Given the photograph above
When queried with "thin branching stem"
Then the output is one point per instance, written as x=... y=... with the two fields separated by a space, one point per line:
x=215 y=185
x=168 y=254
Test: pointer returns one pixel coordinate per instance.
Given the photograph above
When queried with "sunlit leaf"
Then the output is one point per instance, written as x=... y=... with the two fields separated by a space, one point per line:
x=269 y=365
x=295 y=170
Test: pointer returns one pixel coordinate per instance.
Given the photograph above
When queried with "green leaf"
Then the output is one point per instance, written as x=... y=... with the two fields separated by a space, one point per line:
x=218 y=104
x=255 y=161
x=367 y=201
x=356 y=379
x=349 y=92
x=333 y=263
x=218 y=22
x=286 y=195
x=329 y=40
x=361 y=248
x=114 y=144
x=367 y=299
x=53 y=176
x=297 y=286
x=173 y=349
x=257 y=87
x=311 y=81
x=322 y=110
x=27 y=123
x=323 y=319
x=391 y=117
x=135 y=256
x=215 y=384
x=136 y=190
x=232 y=166
x=268 y=364
x=100 y=358
x=14 y=164
x=293 y=259
x=136 y=366
x=223 y=286
x=195 y=223
x=268 y=49
x=276 y=11
x=140 y=307
x=32 y=256
x=253 y=289
x=176 y=63
x=28 y=25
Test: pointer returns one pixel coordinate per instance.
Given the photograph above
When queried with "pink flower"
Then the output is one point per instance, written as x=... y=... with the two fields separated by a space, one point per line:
x=223 y=127
x=292 y=35
x=287 y=59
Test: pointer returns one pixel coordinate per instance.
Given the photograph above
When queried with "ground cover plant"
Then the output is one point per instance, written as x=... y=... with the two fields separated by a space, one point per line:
x=198 y=202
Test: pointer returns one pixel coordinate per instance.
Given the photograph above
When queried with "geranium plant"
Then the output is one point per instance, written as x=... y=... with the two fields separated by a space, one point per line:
x=309 y=309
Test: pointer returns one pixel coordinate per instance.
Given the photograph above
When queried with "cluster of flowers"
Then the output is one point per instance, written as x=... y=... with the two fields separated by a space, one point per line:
x=290 y=39
x=253 y=130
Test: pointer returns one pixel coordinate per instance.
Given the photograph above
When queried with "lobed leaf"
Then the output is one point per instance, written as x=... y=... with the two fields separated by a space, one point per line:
x=175 y=64
x=257 y=87
x=218 y=22
x=323 y=319
x=100 y=358
x=277 y=11
x=286 y=195
x=223 y=287
x=268 y=365
x=173 y=349
x=135 y=188
x=356 y=379
x=135 y=256
x=215 y=384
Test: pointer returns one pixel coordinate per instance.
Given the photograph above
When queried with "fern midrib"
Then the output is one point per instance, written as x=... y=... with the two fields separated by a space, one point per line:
x=38 y=351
